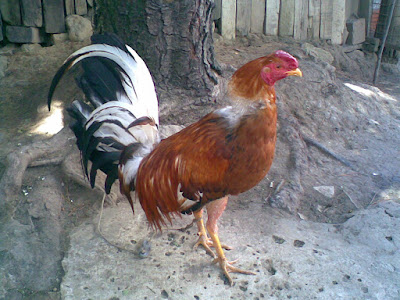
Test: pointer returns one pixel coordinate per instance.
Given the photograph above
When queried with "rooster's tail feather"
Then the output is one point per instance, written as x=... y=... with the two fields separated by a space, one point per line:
x=112 y=71
x=122 y=108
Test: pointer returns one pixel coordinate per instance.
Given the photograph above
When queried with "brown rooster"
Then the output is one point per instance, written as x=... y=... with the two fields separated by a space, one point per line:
x=225 y=153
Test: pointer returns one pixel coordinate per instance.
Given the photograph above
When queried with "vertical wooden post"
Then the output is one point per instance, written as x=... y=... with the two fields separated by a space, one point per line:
x=300 y=19
x=314 y=13
x=243 y=16
x=257 y=16
x=272 y=8
x=338 y=21
x=228 y=19
x=326 y=19
x=286 y=19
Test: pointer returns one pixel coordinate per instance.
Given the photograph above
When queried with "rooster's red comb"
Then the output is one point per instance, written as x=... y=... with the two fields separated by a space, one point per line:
x=287 y=57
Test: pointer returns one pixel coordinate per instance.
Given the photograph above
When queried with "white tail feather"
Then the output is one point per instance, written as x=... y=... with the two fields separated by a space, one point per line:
x=138 y=83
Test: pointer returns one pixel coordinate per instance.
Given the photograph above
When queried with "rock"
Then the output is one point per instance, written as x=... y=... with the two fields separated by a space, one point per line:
x=23 y=35
x=327 y=191
x=32 y=13
x=58 y=38
x=80 y=7
x=30 y=48
x=53 y=11
x=11 y=12
x=317 y=53
x=90 y=3
x=79 y=28
x=8 y=50
x=3 y=66
x=356 y=28
x=371 y=44
x=391 y=68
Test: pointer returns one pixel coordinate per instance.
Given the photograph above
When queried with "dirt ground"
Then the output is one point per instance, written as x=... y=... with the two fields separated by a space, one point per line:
x=337 y=133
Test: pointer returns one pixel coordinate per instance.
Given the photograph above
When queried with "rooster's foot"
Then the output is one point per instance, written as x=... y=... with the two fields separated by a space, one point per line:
x=207 y=243
x=227 y=267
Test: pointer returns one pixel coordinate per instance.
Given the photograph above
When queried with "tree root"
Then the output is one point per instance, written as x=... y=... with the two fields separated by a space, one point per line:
x=325 y=150
x=290 y=193
x=18 y=161
x=59 y=149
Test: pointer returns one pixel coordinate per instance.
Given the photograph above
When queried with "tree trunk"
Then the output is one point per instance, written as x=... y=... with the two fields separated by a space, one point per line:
x=173 y=37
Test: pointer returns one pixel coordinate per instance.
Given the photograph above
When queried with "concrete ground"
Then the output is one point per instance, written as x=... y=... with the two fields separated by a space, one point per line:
x=293 y=259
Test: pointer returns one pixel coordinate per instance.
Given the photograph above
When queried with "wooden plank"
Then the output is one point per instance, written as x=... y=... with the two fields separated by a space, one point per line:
x=326 y=19
x=217 y=10
x=80 y=7
x=1 y=29
x=53 y=12
x=10 y=11
x=257 y=16
x=338 y=21
x=31 y=11
x=243 y=16
x=228 y=19
x=286 y=20
x=272 y=8
x=314 y=13
x=300 y=20
x=69 y=7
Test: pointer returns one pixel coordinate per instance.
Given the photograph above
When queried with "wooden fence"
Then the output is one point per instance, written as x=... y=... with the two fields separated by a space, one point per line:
x=301 y=19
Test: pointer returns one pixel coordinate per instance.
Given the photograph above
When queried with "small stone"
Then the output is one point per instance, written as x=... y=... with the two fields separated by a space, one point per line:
x=278 y=239
x=327 y=191
x=317 y=53
x=298 y=243
x=30 y=48
x=8 y=50
x=79 y=28
x=164 y=294
x=3 y=66
x=58 y=38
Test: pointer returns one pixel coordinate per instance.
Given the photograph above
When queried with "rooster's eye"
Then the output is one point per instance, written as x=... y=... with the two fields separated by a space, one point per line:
x=278 y=66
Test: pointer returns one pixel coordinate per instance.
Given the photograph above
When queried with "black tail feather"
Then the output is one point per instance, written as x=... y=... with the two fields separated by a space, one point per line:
x=102 y=77
x=109 y=38
x=107 y=162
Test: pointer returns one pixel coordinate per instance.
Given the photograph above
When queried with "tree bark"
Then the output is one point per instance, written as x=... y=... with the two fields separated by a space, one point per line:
x=173 y=37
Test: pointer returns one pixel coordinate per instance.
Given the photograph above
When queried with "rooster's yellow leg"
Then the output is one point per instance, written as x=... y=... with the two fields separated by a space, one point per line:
x=203 y=238
x=215 y=210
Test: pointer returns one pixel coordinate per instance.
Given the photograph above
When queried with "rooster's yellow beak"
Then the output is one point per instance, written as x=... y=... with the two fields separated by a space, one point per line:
x=296 y=72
